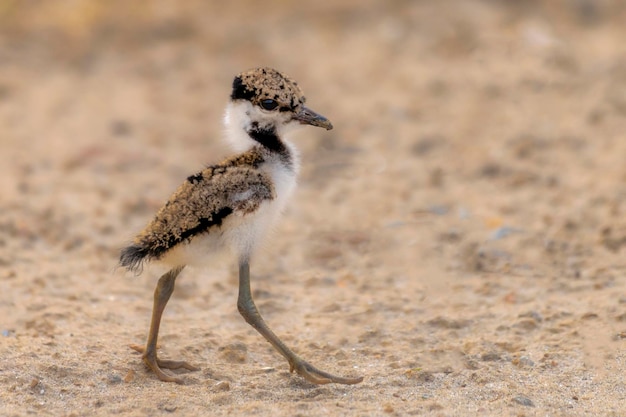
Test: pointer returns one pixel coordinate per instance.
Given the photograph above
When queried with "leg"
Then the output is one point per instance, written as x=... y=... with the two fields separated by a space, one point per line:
x=248 y=310
x=162 y=293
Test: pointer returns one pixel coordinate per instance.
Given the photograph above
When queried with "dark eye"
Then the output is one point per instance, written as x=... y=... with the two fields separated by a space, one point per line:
x=269 y=104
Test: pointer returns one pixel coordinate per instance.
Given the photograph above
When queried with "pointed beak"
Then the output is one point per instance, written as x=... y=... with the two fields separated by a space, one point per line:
x=307 y=116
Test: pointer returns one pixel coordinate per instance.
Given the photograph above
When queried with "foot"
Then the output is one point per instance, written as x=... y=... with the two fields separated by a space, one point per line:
x=156 y=364
x=316 y=376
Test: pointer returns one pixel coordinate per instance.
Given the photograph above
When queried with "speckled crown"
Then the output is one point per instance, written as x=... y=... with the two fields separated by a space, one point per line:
x=260 y=84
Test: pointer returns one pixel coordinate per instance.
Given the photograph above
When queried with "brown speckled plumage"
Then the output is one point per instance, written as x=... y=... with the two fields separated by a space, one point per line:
x=202 y=203
x=266 y=83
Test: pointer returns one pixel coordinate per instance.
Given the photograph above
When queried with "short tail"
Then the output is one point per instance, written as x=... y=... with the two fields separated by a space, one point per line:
x=133 y=257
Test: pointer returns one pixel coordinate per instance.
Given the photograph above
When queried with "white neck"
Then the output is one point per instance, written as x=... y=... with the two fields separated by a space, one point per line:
x=240 y=115
x=236 y=123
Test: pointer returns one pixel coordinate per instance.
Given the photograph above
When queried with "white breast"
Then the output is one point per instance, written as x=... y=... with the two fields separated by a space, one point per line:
x=248 y=235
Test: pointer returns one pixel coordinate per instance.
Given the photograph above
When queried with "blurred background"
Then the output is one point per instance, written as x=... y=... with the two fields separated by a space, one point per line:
x=470 y=201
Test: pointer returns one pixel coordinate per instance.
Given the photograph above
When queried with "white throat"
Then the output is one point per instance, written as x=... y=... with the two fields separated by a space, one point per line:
x=240 y=115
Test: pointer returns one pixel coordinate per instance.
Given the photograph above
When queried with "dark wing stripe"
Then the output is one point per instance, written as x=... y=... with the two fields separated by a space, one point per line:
x=134 y=255
x=203 y=225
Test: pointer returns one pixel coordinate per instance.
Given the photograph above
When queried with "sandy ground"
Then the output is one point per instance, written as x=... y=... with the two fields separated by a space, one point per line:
x=458 y=239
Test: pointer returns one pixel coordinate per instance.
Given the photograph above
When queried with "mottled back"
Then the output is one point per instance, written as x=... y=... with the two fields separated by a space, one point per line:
x=201 y=204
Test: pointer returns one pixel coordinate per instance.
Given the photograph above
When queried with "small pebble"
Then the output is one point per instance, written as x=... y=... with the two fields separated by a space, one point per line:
x=526 y=324
x=525 y=361
x=114 y=379
x=439 y=210
x=490 y=357
x=525 y=401
x=222 y=386
x=533 y=315
x=589 y=315
x=620 y=336
x=502 y=232
x=130 y=375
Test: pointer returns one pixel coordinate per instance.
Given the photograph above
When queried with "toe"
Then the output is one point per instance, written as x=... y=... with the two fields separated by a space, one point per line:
x=168 y=364
x=316 y=376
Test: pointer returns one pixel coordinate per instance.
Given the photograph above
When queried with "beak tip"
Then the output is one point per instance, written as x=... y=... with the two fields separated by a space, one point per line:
x=309 y=117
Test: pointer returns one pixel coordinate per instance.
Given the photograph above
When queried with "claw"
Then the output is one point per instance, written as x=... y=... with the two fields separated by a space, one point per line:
x=156 y=364
x=316 y=376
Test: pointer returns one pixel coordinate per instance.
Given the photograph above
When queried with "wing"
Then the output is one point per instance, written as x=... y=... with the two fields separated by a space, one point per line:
x=198 y=206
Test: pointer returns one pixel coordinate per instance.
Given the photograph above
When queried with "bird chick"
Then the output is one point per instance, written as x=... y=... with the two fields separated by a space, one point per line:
x=230 y=206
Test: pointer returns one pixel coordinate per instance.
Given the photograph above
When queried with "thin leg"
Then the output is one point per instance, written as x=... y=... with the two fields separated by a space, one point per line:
x=251 y=314
x=162 y=293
